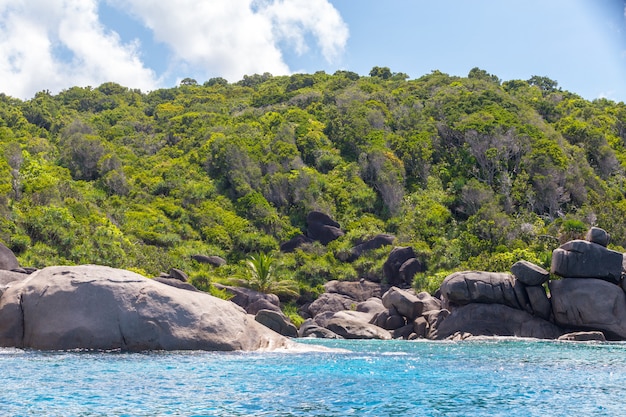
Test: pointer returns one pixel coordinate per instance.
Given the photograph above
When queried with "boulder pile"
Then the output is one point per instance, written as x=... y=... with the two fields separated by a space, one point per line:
x=585 y=300
x=581 y=298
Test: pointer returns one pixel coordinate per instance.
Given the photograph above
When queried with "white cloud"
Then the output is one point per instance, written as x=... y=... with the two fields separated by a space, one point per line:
x=292 y=19
x=56 y=44
x=232 y=38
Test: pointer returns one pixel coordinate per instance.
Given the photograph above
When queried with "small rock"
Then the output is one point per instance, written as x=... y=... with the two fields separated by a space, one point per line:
x=599 y=236
x=405 y=303
x=178 y=274
x=276 y=321
x=584 y=337
x=529 y=273
x=213 y=260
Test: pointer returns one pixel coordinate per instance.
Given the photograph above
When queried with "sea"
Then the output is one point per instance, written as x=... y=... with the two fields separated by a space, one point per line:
x=490 y=377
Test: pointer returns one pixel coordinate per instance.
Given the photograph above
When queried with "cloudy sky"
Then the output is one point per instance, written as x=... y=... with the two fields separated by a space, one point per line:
x=148 y=44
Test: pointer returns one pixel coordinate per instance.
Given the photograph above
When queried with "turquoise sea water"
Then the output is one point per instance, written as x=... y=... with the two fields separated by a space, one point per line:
x=375 y=378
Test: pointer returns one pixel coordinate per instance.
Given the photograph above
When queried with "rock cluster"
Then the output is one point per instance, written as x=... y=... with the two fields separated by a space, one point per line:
x=320 y=227
x=588 y=302
x=95 y=307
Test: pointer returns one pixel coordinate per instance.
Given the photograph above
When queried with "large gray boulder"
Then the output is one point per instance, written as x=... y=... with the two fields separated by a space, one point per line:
x=331 y=302
x=529 y=273
x=8 y=260
x=589 y=304
x=599 y=236
x=403 y=302
x=371 y=306
x=8 y=277
x=583 y=259
x=467 y=287
x=494 y=320
x=539 y=301
x=322 y=227
x=311 y=329
x=356 y=290
x=97 y=307
x=294 y=243
x=350 y=326
x=277 y=321
x=401 y=266
x=212 y=260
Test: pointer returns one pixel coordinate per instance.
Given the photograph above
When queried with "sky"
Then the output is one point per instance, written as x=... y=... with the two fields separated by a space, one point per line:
x=149 y=44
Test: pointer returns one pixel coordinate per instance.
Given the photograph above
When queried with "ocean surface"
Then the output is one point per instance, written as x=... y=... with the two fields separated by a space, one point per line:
x=370 y=378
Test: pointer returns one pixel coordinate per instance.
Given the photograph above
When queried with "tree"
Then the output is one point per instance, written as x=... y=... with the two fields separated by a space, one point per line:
x=545 y=84
x=262 y=276
x=188 y=81
x=481 y=74
x=381 y=72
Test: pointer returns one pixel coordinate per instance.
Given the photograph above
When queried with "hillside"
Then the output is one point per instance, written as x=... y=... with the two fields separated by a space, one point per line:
x=472 y=172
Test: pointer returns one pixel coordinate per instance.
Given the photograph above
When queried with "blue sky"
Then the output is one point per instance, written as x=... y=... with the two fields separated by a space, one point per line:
x=148 y=44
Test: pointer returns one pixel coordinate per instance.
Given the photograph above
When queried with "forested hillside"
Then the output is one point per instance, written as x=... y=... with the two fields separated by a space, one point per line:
x=472 y=172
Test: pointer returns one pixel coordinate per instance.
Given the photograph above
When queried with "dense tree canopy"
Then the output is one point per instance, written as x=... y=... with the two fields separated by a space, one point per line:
x=472 y=172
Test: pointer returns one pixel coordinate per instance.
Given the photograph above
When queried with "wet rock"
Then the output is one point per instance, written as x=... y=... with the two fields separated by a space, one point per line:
x=583 y=337
x=495 y=320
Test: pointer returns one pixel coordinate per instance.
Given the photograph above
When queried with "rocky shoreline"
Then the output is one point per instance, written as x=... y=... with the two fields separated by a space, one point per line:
x=97 y=307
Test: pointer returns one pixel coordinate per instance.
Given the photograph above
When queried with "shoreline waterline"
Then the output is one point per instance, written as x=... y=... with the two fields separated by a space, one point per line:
x=495 y=376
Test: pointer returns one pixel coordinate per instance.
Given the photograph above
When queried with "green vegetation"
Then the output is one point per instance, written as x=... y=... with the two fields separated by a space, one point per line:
x=472 y=172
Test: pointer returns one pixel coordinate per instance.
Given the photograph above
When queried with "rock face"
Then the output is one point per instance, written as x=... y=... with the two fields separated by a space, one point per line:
x=8 y=260
x=495 y=320
x=322 y=228
x=481 y=287
x=599 y=236
x=356 y=290
x=96 y=307
x=401 y=266
x=591 y=304
x=588 y=304
x=583 y=259
x=529 y=273
x=277 y=322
